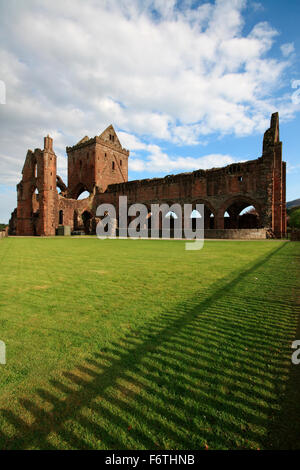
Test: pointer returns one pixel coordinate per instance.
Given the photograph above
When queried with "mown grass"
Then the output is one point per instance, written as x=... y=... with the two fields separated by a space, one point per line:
x=122 y=344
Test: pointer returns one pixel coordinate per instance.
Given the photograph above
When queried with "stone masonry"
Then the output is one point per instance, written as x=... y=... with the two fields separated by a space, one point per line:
x=100 y=166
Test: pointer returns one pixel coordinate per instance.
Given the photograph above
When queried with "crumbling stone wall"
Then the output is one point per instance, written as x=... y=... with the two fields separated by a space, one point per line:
x=234 y=234
x=95 y=163
x=12 y=228
x=100 y=166
x=260 y=183
x=37 y=194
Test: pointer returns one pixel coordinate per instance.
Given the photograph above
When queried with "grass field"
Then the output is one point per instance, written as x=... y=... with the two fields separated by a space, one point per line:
x=122 y=344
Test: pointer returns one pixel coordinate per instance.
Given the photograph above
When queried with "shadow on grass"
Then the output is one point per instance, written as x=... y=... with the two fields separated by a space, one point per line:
x=284 y=429
x=207 y=373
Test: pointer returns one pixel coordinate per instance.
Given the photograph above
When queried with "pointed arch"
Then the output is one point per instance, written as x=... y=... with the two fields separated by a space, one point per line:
x=77 y=190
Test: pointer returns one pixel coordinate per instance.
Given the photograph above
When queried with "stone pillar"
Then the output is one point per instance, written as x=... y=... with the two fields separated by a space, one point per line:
x=219 y=219
x=283 y=182
x=234 y=218
x=48 y=199
x=207 y=213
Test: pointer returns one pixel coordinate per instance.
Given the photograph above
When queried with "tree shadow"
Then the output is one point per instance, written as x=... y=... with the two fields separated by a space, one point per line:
x=192 y=378
x=284 y=429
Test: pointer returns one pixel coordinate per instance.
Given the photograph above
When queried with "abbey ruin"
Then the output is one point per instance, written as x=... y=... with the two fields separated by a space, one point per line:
x=99 y=165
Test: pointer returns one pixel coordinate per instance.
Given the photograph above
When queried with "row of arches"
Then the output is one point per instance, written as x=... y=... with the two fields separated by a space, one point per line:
x=246 y=218
x=237 y=215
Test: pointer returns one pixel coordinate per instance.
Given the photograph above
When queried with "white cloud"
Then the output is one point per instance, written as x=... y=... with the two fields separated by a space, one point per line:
x=287 y=49
x=178 y=75
x=257 y=6
x=131 y=142
x=291 y=168
x=157 y=161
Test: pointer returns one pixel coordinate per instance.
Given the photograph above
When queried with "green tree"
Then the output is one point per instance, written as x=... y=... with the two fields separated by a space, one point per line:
x=295 y=218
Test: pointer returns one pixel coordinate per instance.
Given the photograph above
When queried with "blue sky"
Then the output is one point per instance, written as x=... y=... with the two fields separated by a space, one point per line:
x=187 y=85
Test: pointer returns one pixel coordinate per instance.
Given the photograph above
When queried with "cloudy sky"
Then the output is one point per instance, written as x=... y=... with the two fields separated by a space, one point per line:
x=187 y=84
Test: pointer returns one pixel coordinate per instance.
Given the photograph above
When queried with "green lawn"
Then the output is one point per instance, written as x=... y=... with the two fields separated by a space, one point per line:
x=122 y=344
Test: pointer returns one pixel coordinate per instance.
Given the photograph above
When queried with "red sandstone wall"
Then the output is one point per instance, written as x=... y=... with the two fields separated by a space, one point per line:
x=94 y=164
x=72 y=209
x=36 y=214
x=217 y=189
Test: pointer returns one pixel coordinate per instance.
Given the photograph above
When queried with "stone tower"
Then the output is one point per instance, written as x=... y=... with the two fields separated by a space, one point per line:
x=37 y=195
x=275 y=176
x=95 y=163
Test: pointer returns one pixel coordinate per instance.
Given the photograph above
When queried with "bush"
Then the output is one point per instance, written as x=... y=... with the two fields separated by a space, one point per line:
x=294 y=220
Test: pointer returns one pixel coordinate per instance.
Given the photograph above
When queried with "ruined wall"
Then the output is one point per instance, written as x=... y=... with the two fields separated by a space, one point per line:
x=100 y=166
x=242 y=183
x=72 y=210
x=12 y=228
x=241 y=234
x=260 y=183
x=95 y=163
x=37 y=195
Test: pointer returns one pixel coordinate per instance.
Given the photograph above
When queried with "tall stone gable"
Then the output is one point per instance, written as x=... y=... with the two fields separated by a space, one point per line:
x=95 y=163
